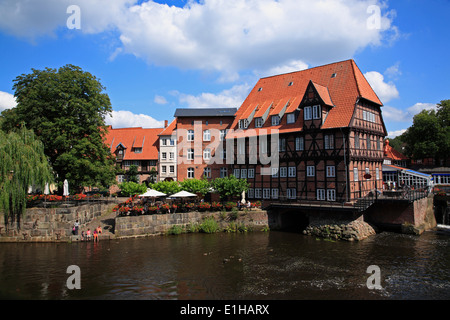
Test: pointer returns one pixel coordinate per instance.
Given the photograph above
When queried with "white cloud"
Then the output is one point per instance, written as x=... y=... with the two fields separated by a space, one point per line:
x=160 y=100
x=224 y=36
x=127 y=119
x=7 y=101
x=394 y=114
x=231 y=98
x=393 y=134
x=386 y=91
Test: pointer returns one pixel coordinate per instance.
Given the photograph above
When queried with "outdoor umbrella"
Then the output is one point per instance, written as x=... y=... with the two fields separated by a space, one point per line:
x=66 y=188
x=152 y=194
x=183 y=194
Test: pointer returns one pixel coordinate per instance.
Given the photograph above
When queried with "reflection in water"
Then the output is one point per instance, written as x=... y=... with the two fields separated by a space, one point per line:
x=272 y=265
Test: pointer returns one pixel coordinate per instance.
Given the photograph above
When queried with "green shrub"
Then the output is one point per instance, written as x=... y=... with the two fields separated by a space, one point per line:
x=175 y=230
x=209 y=225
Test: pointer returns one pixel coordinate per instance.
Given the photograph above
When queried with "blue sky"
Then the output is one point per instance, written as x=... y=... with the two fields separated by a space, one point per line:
x=156 y=56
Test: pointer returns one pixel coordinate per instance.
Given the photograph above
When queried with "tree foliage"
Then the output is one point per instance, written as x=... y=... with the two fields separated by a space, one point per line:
x=201 y=186
x=429 y=136
x=229 y=186
x=131 y=188
x=23 y=164
x=167 y=187
x=66 y=109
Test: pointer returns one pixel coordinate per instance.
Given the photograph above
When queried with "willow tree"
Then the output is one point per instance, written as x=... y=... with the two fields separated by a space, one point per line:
x=23 y=164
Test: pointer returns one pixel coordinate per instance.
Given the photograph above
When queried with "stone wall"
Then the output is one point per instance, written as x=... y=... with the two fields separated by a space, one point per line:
x=158 y=224
x=51 y=224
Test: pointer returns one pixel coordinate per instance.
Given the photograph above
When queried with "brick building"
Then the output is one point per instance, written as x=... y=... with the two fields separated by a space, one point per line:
x=135 y=146
x=312 y=135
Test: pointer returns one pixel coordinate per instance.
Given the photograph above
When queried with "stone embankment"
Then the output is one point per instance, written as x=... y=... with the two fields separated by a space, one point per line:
x=350 y=231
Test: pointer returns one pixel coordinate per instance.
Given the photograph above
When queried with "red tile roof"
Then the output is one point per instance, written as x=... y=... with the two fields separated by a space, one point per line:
x=391 y=153
x=130 y=138
x=338 y=84
x=170 y=128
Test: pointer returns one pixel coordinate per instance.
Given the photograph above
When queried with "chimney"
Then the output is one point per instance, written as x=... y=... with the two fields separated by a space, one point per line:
x=165 y=123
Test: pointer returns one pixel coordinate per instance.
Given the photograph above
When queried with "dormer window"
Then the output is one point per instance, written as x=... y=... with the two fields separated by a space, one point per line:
x=259 y=122
x=243 y=124
x=137 y=150
x=290 y=84
x=275 y=120
x=316 y=110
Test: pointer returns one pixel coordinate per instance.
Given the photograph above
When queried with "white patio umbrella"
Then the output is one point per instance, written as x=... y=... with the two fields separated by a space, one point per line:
x=183 y=194
x=66 y=188
x=152 y=194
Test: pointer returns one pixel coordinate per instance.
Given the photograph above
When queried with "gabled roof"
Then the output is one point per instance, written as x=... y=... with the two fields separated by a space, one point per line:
x=211 y=112
x=339 y=85
x=131 y=138
x=170 y=128
x=391 y=153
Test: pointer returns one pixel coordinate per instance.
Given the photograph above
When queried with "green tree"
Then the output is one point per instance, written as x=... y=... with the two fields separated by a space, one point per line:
x=66 y=109
x=133 y=173
x=429 y=136
x=201 y=186
x=167 y=187
x=229 y=187
x=131 y=188
x=23 y=164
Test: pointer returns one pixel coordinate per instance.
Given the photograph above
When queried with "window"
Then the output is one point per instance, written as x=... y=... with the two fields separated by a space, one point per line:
x=243 y=173
x=223 y=172
x=236 y=173
x=207 y=172
x=291 y=193
x=190 y=154
x=331 y=171
x=266 y=193
x=190 y=173
x=275 y=120
x=307 y=113
x=172 y=142
x=320 y=194
x=190 y=136
x=299 y=143
x=251 y=173
x=251 y=193
x=274 y=172
x=259 y=122
x=206 y=135
x=310 y=171
x=164 y=169
x=316 y=112
x=258 y=193
x=331 y=195
x=377 y=173
x=137 y=150
x=355 y=174
x=127 y=163
x=356 y=140
x=290 y=118
x=172 y=169
x=222 y=134
x=369 y=146
x=283 y=172
x=243 y=124
x=282 y=144
x=274 y=193
x=292 y=171
x=171 y=155
x=241 y=146
x=207 y=154
x=329 y=141
x=164 y=142
x=290 y=84
x=164 y=155
x=121 y=178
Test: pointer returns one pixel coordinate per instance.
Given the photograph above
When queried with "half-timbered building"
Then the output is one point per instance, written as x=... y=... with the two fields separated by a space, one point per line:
x=311 y=135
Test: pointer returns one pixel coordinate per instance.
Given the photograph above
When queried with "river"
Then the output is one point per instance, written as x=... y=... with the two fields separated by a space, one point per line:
x=244 y=266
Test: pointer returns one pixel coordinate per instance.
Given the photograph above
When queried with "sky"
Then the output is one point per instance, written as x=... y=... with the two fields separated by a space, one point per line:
x=153 y=57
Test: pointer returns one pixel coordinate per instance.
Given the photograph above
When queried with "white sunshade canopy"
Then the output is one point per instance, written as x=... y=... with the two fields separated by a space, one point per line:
x=183 y=194
x=152 y=194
